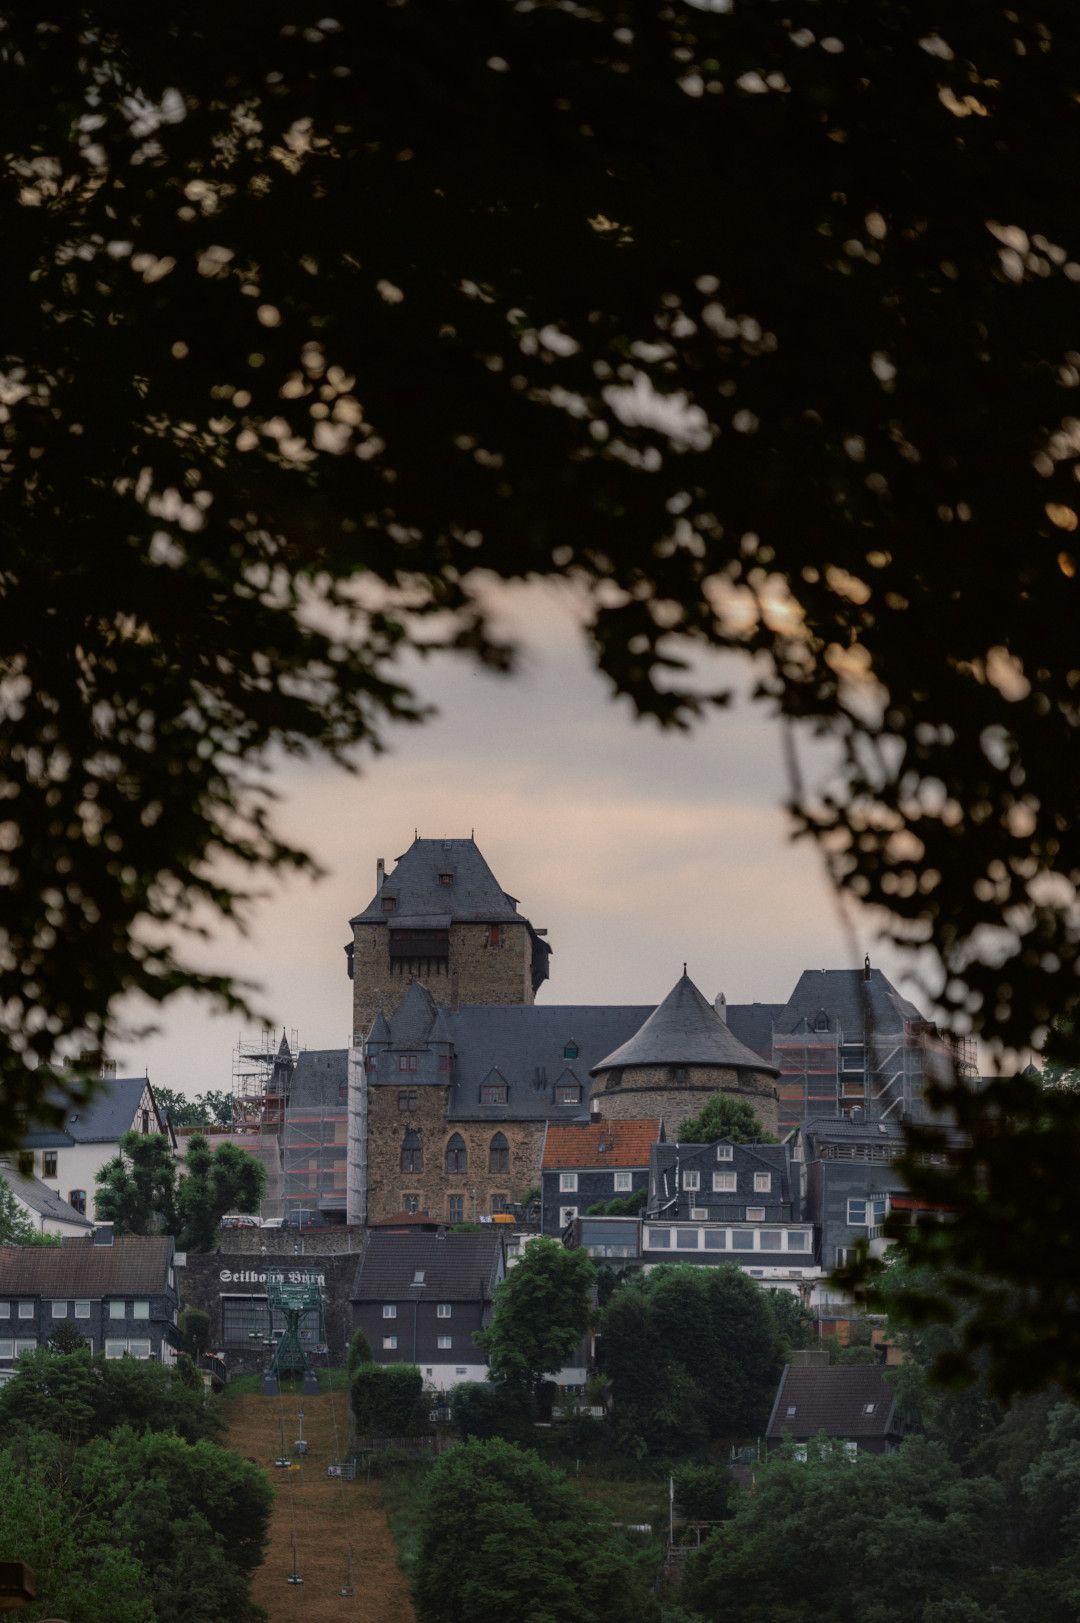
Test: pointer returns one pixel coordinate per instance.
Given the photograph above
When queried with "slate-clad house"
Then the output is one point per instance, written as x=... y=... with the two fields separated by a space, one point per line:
x=419 y=1295
x=118 y=1292
x=724 y=1182
x=67 y=1158
x=850 y=1180
x=591 y=1163
x=852 y=1403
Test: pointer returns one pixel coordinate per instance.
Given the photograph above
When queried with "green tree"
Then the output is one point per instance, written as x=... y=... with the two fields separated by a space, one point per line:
x=924 y=1534
x=226 y=1179
x=193 y=1324
x=64 y=1337
x=795 y=1324
x=142 y=1191
x=537 y=1548
x=359 y=1351
x=692 y=1354
x=621 y=1206
x=724 y=1117
x=79 y=1396
x=488 y=1409
x=704 y=1492
x=388 y=1400
x=541 y=1312
x=15 y=1227
x=137 y=1189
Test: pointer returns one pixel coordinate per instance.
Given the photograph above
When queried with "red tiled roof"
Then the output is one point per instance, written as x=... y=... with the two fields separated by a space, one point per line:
x=578 y=1144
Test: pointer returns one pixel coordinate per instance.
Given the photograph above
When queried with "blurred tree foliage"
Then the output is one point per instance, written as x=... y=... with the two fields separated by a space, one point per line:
x=757 y=325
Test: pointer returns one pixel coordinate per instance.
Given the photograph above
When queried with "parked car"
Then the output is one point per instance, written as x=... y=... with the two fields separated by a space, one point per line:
x=241 y=1220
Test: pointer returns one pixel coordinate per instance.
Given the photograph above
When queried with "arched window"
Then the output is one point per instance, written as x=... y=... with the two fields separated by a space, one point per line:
x=499 y=1154
x=412 y=1153
x=457 y=1157
x=77 y=1198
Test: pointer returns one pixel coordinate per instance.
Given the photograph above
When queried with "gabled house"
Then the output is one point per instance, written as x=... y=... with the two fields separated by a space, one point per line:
x=118 y=1292
x=723 y=1182
x=420 y=1294
x=850 y=1403
x=593 y=1163
x=68 y=1157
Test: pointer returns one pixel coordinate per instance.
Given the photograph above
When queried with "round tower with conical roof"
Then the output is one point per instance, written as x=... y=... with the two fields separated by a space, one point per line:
x=673 y=1063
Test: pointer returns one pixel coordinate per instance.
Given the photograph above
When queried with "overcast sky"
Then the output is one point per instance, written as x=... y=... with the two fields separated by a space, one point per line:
x=635 y=849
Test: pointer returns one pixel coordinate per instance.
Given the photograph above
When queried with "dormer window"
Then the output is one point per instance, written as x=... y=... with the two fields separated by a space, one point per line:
x=406 y=1062
x=568 y=1093
x=493 y=1093
x=389 y=903
x=446 y=879
x=821 y=1021
x=570 y=1051
x=724 y=1152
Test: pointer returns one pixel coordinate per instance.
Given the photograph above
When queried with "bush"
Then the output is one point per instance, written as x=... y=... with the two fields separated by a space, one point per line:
x=482 y=1409
x=194 y=1327
x=704 y=1493
x=388 y=1400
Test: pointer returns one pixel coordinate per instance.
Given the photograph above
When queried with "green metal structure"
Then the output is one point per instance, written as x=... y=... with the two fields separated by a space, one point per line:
x=292 y=1301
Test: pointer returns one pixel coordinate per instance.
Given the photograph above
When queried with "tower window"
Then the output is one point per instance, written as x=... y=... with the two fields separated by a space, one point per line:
x=389 y=903
x=457 y=1156
x=406 y=1062
x=499 y=1154
x=412 y=1153
x=494 y=935
x=446 y=879
x=406 y=1099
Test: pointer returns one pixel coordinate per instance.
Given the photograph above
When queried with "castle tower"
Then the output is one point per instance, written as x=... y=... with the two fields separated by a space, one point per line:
x=673 y=1063
x=441 y=918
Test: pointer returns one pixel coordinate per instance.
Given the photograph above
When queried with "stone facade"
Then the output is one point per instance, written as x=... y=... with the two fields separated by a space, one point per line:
x=487 y=963
x=231 y=1286
x=674 y=1092
x=392 y=1190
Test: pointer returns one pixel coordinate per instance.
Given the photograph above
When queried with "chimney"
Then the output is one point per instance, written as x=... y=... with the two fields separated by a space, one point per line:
x=866 y=968
x=720 y=1005
x=380 y=874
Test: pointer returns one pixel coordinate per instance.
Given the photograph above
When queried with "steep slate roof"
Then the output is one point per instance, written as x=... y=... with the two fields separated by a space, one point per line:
x=752 y=1023
x=685 y=1029
x=520 y=1040
x=840 y=1127
x=319 y=1075
x=572 y=1145
x=848 y=1000
x=40 y=1198
x=98 y=1120
x=833 y=1400
x=769 y=1157
x=475 y=895
x=456 y=1267
x=135 y=1264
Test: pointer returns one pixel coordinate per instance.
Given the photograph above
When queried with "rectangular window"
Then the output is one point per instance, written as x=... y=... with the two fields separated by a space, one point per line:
x=5 y=1310
x=446 y=879
x=26 y=1310
x=755 y=1214
x=691 y=1180
x=389 y=903
x=140 y=1310
x=389 y=1343
x=500 y=1203
x=389 y=1310
x=741 y=1240
x=406 y=1099
x=244 y=1319
x=762 y=1183
x=444 y=1343
x=48 y=1164
x=410 y=1204
x=82 y=1310
x=406 y=1062
x=568 y=1183
x=567 y=1215
x=7 y=1349
x=59 y=1310
x=658 y=1239
x=724 y=1183
x=24 y=1346
x=444 y=1310
x=798 y=1240
x=724 y=1152
x=856 y=1214
x=117 y=1310
x=456 y=1208
x=138 y=1349
x=716 y=1239
x=844 y=1255
x=493 y=1093
x=115 y=1349
x=771 y=1240
x=494 y=935
x=623 y=1181
x=568 y=1093
x=686 y=1239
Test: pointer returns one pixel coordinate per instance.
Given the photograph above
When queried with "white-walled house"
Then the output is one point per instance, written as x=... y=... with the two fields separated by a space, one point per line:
x=68 y=1158
x=42 y=1206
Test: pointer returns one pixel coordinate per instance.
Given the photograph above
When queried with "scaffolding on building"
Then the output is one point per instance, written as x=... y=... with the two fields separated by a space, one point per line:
x=315 y=1154
x=262 y=1069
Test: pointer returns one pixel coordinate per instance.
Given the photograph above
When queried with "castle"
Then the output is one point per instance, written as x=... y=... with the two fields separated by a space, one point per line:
x=455 y=1071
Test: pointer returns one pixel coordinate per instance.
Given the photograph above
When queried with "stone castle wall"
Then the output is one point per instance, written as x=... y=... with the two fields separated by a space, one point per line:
x=674 y=1093
x=476 y=972
x=388 y=1185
